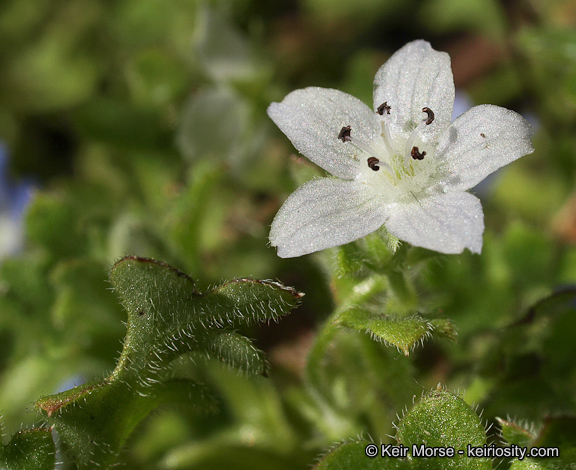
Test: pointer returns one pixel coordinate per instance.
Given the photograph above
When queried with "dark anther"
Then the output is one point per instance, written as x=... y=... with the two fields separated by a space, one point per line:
x=430 y=114
x=383 y=107
x=416 y=155
x=344 y=135
x=373 y=163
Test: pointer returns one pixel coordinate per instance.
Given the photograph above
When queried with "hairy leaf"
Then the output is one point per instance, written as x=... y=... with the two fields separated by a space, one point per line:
x=353 y=454
x=29 y=450
x=442 y=419
x=167 y=318
x=403 y=333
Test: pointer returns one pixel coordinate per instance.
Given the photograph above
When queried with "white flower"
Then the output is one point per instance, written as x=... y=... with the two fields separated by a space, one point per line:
x=402 y=165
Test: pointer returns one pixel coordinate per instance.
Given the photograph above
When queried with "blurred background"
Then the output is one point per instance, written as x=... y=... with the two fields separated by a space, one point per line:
x=132 y=127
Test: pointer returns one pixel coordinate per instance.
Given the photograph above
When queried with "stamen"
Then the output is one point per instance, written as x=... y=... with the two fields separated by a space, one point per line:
x=387 y=138
x=383 y=107
x=409 y=147
x=344 y=135
x=416 y=155
x=374 y=163
x=430 y=114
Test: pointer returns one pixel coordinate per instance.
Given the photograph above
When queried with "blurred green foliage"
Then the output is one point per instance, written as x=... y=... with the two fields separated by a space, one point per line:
x=144 y=124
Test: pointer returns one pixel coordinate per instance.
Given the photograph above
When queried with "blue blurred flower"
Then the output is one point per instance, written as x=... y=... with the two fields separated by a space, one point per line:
x=462 y=103
x=13 y=201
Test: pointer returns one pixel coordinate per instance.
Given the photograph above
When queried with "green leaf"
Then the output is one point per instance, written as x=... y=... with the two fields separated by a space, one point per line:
x=155 y=77
x=221 y=117
x=485 y=16
x=210 y=456
x=123 y=125
x=403 y=333
x=531 y=464
x=94 y=420
x=167 y=319
x=352 y=455
x=47 y=219
x=255 y=413
x=29 y=450
x=235 y=350
x=69 y=74
x=559 y=432
x=515 y=433
x=222 y=49
x=442 y=419
x=535 y=351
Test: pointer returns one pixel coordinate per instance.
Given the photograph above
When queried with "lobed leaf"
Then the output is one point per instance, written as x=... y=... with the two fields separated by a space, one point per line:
x=29 y=450
x=403 y=333
x=236 y=351
x=167 y=318
x=94 y=420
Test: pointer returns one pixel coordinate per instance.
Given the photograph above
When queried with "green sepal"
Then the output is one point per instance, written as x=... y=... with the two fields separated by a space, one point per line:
x=442 y=419
x=32 y=449
x=405 y=333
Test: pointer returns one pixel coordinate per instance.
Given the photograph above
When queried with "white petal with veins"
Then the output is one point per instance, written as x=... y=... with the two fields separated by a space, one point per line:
x=312 y=119
x=416 y=76
x=480 y=141
x=323 y=213
x=447 y=223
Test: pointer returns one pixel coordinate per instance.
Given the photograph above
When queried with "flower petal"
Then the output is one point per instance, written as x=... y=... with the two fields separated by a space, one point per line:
x=313 y=117
x=323 y=213
x=415 y=77
x=479 y=142
x=447 y=223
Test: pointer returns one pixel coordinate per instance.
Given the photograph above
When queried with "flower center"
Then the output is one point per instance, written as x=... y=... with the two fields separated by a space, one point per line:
x=388 y=153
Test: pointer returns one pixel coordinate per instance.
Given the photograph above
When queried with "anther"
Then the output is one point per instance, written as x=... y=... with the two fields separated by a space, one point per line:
x=430 y=114
x=383 y=108
x=344 y=135
x=374 y=163
x=416 y=155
